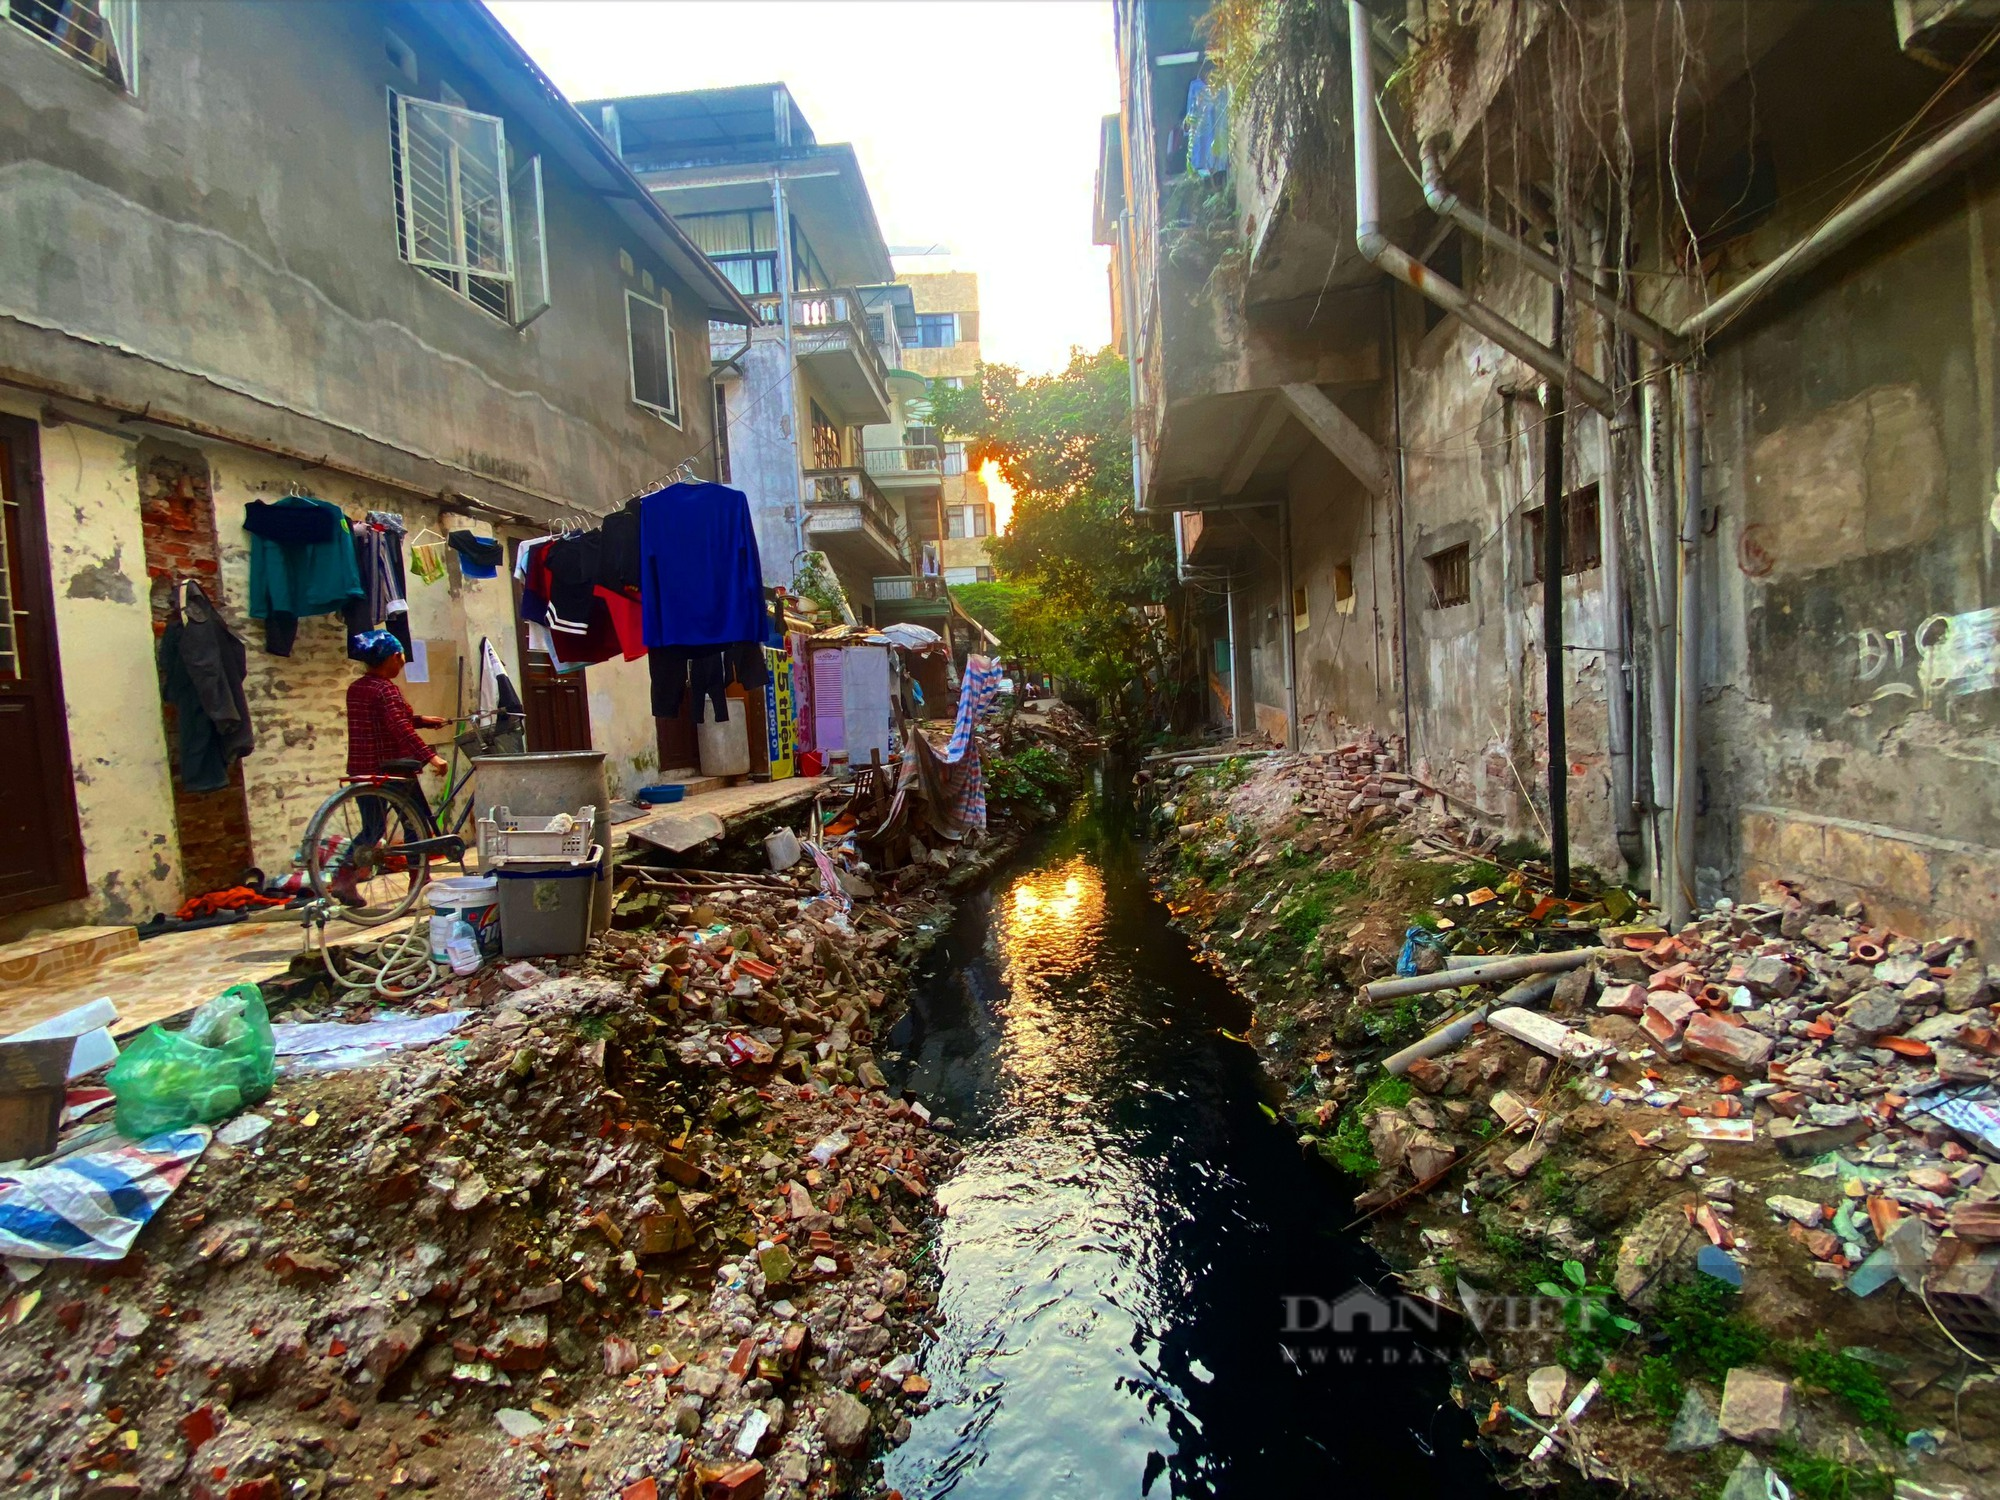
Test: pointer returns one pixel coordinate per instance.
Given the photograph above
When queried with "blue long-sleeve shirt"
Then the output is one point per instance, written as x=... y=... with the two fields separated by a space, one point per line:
x=701 y=583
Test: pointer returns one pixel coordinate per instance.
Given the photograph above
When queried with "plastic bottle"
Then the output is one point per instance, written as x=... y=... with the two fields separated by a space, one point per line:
x=463 y=948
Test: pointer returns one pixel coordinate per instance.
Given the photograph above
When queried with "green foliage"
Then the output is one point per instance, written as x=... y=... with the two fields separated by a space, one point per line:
x=1649 y=1384
x=1859 y=1386
x=1036 y=774
x=1301 y=915
x=1587 y=1315
x=1348 y=1147
x=991 y=604
x=1702 y=1330
x=1813 y=1476
x=1496 y=1236
x=1084 y=564
x=1272 y=55
x=1557 y=1188
x=1400 y=1024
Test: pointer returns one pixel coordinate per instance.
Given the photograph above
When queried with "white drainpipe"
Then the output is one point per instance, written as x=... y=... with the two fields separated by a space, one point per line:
x=1406 y=268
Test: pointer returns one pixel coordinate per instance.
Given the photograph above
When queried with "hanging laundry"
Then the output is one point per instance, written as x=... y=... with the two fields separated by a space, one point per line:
x=427 y=557
x=378 y=557
x=499 y=704
x=1208 y=128
x=202 y=666
x=701 y=582
x=293 y=578
x=478 y=556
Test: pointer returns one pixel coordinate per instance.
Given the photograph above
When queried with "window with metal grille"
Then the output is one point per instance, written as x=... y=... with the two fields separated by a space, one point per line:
x=649 y=338
x=103 y=35
x=1451 y=576
x=825 y=439
x=463 y=217
x=1583 y=542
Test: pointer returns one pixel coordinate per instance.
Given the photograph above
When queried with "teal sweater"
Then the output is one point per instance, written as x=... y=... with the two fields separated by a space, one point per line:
x=316 y=578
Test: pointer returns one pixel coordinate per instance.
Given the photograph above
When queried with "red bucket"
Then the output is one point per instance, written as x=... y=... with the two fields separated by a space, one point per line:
x=812 y=762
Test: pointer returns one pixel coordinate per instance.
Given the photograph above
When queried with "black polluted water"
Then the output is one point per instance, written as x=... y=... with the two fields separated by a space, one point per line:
x=1147 y=1289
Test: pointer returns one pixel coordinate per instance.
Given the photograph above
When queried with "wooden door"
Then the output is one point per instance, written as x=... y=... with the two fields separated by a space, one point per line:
x=557 y=704
x=41 y=844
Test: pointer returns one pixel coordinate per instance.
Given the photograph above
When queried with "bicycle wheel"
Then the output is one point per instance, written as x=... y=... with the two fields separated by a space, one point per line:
x=349 y=852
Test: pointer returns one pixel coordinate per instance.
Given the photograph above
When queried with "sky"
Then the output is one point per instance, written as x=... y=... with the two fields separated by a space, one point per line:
x=976 y=122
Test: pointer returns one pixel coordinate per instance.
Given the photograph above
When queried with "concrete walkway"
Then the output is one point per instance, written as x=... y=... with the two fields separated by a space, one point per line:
x=175 y=972
x=680 y=826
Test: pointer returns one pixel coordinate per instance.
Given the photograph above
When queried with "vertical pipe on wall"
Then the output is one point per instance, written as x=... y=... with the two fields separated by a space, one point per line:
x=781 y=229
x=1687 y=655
x=1285 y=605
x=1240 y=720
x=1399 y=480
x=1555 y=520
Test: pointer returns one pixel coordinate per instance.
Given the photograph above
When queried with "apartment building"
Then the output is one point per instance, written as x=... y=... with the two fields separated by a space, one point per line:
x=807 y=392
x=365 y=252
x=1747 y=366
x=945 y=347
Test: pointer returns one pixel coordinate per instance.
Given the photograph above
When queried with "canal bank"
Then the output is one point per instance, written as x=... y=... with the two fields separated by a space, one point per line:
x=1142 y=1285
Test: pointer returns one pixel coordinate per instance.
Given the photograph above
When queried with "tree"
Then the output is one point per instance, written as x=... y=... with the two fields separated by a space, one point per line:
x=1097 y=601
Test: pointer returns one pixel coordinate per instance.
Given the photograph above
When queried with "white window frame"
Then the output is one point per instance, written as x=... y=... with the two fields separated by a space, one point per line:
x=525 y=286
x=121 y=24
x=665 y=307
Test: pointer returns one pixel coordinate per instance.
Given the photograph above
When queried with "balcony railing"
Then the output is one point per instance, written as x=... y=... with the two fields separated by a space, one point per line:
x=912 y=458
x=840 y=489
x=889 y=590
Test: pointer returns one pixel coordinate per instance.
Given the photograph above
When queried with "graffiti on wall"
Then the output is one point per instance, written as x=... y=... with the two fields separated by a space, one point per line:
x=1945 y=657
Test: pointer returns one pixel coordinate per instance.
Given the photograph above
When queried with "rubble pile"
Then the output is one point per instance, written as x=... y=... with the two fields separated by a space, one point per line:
x=651 y=1225
x=1782 y=1100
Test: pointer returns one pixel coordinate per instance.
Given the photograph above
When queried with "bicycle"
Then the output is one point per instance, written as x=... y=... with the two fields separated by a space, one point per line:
x=367 y=852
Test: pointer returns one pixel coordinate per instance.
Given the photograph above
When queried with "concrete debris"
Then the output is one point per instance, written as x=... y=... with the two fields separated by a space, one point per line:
x=1781 y=1099
x=636 y=1219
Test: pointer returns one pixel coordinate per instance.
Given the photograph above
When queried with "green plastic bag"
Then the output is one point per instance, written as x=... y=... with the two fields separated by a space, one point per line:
x=226 y=1059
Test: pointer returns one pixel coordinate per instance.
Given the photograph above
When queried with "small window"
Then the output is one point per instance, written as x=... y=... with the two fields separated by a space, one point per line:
x=954 y=458
x=1451 y=576
x=954 y=522
x=650 y=336
x=103 y=35
x=1343 y=588
x=825 y=440
x=1583 y=542
x=1301 y=611
x=985 y=574
x=462 y=217
x=402 y=56
x=877 y=329
x=936 y=330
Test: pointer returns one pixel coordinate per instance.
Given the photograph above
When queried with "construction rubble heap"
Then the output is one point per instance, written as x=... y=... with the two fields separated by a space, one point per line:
x=645 y=1223
x=1769 y=1142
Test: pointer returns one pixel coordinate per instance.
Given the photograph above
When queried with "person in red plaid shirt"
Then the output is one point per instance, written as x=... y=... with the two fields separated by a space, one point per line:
x=380 y=729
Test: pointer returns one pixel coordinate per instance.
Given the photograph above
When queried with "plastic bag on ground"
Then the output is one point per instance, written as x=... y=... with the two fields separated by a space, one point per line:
x=223 y=1061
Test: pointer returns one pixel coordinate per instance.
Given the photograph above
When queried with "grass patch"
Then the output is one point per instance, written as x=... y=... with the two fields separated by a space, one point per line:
x=1857 y=1386
x=1814 y=1477
x=1650 y=1384
x=1402 y=1023
x=1702 y=1331
x=1348 y=1148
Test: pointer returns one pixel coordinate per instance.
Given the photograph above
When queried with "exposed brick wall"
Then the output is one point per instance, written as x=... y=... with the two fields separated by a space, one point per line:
x=177 y=516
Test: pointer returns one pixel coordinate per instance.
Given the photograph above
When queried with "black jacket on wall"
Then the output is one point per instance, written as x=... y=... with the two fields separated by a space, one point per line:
x=202 y=664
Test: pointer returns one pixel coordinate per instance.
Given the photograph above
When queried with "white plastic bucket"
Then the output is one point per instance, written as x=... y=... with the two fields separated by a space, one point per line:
x=469 y=898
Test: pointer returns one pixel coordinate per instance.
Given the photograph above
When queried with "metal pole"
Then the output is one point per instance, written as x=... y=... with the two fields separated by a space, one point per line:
x=1554 y=520
x=1687 y=623
x=1291 y=646
x=1240 y=721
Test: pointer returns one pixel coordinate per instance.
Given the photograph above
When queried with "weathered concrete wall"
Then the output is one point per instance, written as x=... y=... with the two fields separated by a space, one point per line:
x=765 y=456
x=228 y=246
x=104 y=631
x=1852 y=689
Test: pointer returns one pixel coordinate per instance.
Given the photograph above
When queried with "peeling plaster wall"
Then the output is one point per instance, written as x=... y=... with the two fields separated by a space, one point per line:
x=104 y=635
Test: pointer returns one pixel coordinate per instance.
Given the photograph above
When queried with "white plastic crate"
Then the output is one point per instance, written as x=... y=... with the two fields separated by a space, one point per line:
x=506 y=839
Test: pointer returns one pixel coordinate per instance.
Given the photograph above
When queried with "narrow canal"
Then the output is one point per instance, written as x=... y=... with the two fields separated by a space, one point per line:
x=1121 y=1240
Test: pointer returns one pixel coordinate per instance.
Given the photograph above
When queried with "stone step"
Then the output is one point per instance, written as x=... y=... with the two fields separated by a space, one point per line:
x=67 y=953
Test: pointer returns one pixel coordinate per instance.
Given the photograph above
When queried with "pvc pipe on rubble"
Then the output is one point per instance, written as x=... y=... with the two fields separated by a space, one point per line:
x=1687 y=655
x=1447 y=204
x=1952 y=149
x=1375 y=246
x=1448 y=1036
x=1497 y=972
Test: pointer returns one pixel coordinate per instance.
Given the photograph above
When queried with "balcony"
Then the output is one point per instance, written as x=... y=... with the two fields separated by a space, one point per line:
x=911 y=467
x=830 y=341
x=852 y=521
